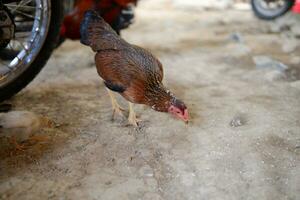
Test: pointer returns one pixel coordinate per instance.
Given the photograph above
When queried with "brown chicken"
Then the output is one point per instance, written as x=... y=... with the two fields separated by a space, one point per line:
x=129 y=70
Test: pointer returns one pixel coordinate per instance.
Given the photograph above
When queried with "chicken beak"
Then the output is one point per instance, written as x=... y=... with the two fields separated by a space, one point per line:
x=186 y=117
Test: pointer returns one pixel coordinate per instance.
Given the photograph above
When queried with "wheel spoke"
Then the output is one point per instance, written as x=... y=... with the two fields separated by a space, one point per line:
x=25 y=14
x=22 y=35
x=29 y=34
x=12 y=6
x=22 y=3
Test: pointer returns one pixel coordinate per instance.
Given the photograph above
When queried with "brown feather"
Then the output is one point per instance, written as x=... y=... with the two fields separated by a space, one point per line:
x=132 y=70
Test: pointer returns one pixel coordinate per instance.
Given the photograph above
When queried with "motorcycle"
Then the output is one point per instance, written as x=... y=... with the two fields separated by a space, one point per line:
x=31 y=29
x=271 y=9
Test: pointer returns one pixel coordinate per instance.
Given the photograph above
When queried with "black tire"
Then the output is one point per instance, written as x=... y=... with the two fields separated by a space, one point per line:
x=268 y=14
x=49 y=45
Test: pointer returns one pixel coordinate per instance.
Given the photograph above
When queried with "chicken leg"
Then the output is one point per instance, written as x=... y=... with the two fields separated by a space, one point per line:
x=132 y=116
x=115 y=106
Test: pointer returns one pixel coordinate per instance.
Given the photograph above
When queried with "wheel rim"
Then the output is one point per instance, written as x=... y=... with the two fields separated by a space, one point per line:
x=32 y=20
x=271 y=7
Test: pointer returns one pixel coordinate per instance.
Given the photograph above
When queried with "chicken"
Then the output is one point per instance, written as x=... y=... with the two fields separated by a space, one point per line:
x=129 y=70
x=19 y=126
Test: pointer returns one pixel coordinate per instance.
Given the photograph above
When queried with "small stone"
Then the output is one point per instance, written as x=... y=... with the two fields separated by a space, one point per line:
x=236 y=37
x=146 y=171
x=237 y=121
x=265 y=62
x=108 y=183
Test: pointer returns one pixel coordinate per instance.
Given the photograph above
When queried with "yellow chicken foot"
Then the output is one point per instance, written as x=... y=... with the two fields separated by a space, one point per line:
x=115 y=106
x=132 y=120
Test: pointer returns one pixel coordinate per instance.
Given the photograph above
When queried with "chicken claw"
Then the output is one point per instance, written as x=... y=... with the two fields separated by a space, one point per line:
x=115 y=106
x=132 y=119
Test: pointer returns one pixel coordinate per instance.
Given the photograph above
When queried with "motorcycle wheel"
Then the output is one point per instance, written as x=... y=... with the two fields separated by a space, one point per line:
x=271 y=9
x=36 y=31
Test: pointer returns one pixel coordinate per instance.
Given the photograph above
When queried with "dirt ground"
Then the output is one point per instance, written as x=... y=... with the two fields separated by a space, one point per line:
x=243 y=141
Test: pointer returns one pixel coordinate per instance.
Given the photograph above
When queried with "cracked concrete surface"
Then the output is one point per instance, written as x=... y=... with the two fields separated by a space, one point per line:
x=90 y=157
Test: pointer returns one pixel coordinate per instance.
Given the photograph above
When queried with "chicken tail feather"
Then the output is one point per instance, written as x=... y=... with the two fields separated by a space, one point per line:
x=97 y=34
x=84 y=39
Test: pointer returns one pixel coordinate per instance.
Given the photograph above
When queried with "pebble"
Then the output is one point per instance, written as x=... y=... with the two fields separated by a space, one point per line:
x=265 y=62
x=236 y=37
x=237 y=121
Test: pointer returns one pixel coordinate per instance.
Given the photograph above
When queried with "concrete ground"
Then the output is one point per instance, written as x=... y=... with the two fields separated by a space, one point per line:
x=243 y=141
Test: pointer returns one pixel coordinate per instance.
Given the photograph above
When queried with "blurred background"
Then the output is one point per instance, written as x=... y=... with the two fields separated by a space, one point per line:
x=240 y=78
